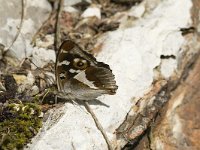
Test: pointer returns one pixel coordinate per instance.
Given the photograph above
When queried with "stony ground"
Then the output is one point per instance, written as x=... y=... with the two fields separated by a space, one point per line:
x=152 y=48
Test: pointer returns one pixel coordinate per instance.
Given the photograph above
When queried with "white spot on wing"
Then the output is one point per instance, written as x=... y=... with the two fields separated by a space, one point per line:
x=76 y=60
x=64 y=51
x=82 y=78
x=62 y=75
x=84 y=61
x=65 y=62
x=74 y=71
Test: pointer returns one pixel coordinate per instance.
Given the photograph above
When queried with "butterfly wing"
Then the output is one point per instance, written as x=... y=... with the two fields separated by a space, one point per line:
x=80 y=76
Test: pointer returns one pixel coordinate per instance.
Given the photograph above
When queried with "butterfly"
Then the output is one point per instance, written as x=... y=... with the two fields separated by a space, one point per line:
x=79 y=76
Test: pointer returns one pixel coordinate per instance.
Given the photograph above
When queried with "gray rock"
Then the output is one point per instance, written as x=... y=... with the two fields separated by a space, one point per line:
x=35 y=13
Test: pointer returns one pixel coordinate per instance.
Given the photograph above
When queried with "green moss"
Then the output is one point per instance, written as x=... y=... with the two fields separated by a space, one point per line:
x=18 y=124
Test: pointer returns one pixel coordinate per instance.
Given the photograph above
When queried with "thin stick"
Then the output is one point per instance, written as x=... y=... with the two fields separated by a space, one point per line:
x=20 y=27
x=58 y=35
x=33 y=41
x=88 y=108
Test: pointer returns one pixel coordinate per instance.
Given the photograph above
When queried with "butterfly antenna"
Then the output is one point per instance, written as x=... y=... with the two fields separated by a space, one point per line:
x=27 y=58
x=52 y=81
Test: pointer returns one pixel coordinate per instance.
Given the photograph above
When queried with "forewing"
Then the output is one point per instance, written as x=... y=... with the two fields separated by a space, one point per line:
x=78 y=73
x=66 y=63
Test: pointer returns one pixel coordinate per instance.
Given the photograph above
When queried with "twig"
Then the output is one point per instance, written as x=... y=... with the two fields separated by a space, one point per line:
x=35 y=36
x=57 y=34
x=20 y=27
x=87 y=106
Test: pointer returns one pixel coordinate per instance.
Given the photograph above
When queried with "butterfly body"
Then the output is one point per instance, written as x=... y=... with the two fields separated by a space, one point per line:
x=79 y=76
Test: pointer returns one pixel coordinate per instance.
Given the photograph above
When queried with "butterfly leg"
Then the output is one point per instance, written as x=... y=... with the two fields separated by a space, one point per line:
x=56 y=99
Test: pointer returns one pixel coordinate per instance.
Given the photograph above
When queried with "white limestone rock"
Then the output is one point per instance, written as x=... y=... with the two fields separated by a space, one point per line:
x=36 y=12
x=132 y=54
